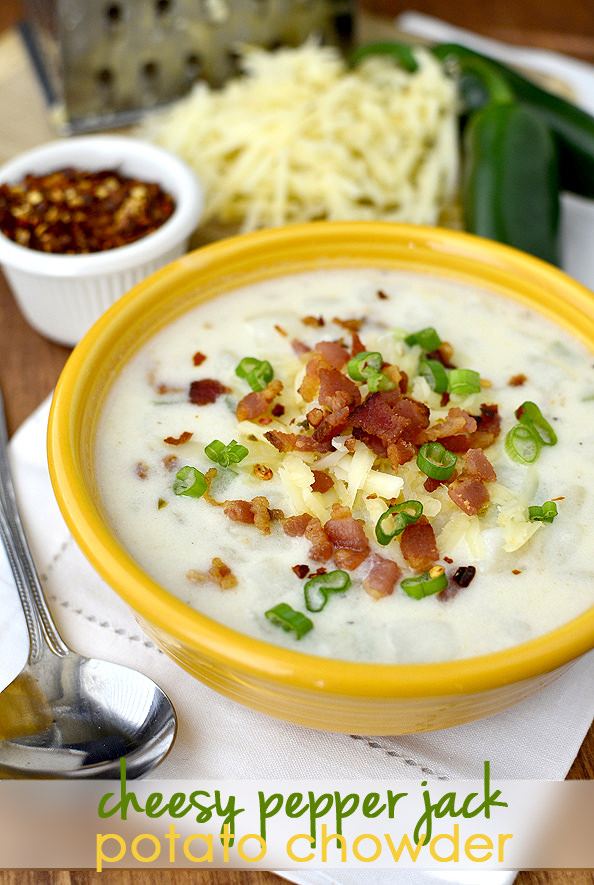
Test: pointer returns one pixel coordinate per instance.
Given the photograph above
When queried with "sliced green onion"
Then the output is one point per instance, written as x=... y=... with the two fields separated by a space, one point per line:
x=427 y=339
x=522 y=444
x=426 y=584
x=463 y=382
x=379 y=381
x=434 y=374
x=318 y=588
x=222 y=454
x=282 y=615
x=365 y=364
x=366 y=367
x=530 y=415
x=543 y=513
x=247 y=364
x=436 y=461
x=257 y=373
x=189 y=481
x=399 y=515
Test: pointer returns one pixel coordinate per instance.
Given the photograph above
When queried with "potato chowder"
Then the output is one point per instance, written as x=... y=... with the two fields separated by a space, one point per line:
x=369 y=465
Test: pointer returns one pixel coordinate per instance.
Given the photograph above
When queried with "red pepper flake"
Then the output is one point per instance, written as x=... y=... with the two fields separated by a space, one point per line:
x=74 y=211
x=301 y=570
x=198 y=358
x=517 y=380
x=277 y=410
x=316 y=322
x=206 y=391
x=185 y=437
x=516 y=571
x=142 y=470
x=382 y=295
x=280 y=330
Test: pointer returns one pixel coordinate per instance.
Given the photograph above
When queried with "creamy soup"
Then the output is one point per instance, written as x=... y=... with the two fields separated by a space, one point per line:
x=366 y=465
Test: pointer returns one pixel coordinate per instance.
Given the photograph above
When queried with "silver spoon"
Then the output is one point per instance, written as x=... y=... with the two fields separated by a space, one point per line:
x=65 y=715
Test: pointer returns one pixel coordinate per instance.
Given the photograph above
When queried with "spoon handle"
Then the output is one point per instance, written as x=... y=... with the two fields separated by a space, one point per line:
x=39 y=620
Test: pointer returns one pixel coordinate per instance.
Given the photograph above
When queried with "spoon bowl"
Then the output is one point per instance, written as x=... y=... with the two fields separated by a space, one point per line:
x=73 y=716
x=65 y=715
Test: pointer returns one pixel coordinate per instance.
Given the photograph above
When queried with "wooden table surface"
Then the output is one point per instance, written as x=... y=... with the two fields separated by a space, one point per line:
x=30 y=364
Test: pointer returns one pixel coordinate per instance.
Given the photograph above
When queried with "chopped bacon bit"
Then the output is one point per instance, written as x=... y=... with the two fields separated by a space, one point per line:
x=400 y=452
x=295 y=526
x=351 y=325
x=322 y=481
x=321 y=549
x=457 y=421
x=313 y=321
x=239 y=511
x=171 y=462
x=219 y=573
x=382 y=578
x=206 y=391
x=357 y=345
x=382 y=295
x=256 y=403
x=469 y=494
x=296 y=442
x=517 y=380
x=333 y=352
x=142 y=469
x=418 y=544
x=478 y=465
x=222 y=574
x=386 y=417
x=299 y=347
x=255 y=512
x=338 y=394
x=315 y=416
x=301 y=570
x=277 y=410
x=350 y=443
x=185 y=437
x=347 y=536
x=198 y=358
x=487 y=430
x=280 y=330
x=262 y=472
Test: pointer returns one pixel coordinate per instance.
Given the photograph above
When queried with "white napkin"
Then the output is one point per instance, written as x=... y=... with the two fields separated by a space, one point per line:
x=217 y=738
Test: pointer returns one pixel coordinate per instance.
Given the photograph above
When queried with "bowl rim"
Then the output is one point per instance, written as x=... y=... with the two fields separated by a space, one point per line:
x=161 y=612
x=107 y=151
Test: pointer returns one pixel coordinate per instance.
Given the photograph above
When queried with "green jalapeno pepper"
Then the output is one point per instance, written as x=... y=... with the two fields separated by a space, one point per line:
x=510 y=186
x=572 y=127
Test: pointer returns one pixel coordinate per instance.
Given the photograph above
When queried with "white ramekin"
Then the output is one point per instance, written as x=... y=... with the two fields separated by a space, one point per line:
x=62 y=295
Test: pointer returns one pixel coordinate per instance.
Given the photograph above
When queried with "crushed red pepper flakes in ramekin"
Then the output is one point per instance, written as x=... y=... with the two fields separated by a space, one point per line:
x=72 y=211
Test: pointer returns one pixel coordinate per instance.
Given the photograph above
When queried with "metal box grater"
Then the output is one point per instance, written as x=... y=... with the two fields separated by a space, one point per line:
x=102 y=63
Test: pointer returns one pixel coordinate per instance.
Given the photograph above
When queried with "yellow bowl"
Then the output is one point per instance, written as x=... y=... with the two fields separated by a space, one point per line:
x=319 y=693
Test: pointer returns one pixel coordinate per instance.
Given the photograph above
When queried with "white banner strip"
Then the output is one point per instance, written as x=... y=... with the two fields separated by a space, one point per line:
x=297 y=825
